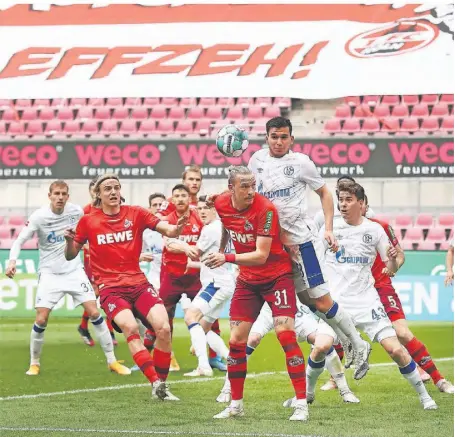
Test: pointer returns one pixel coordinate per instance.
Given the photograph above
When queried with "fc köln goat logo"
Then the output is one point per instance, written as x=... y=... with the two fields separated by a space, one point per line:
x=393 y=39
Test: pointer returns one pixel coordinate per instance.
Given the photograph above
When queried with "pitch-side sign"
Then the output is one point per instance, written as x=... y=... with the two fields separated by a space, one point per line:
x=306 y=51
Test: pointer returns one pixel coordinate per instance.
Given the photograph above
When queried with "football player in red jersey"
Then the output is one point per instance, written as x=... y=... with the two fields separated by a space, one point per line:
x=176 y=279
x=251 y=221
x=83 y=326
x=114 y=233
x=394 y=310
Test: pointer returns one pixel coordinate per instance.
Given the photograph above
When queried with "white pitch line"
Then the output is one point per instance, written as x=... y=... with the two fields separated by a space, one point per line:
x=150 y=432
x=179 y=381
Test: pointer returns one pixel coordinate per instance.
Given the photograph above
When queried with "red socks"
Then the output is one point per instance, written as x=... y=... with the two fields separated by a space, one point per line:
x=149 y=339
x=162 y=363
x=84 y=321
x=237 y=369
x=339 y=350
x=295 y=362
x=216 y=330
x=422 y=357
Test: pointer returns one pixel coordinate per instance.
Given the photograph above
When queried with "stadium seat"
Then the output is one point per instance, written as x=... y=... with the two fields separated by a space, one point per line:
x=381 y=111
x=102 y=113
x=85 y=113
x=447 y=123
x=213 y=113
x=390 y=125
x=139 y=113
x=272 y=111
x=352 y=100
x=264 y=101
x=424 y=221
x=147 y=127
x=420 y=110
x=77 y=102
x=332 y=126
x=176 y=113
x=225 y=102
x=6 y=243
x=120 y=113
x=195 y=113
x=206 y=102
x=410 y=124
x=351 y=126
x=65 y=113
x=53 y=127
x=430 y=124
x=34 y=127
x=149 y=102
x=6 y=103
x=362 y=111
x=430 y=99
x=384 y=218
x=23 y=103
x=184 y=127
x=283 y=102
x=109 y=127
x=410 y=100
x=169 y=102
x=390 y=100
x=371 y=100
x=158 y=112
x=29 y=114
x=400 y=111
x=254 y=112
x=444 y=246
x=245 y=102
x=46 y=114
x=15 y=128
x=165 y=127
x=114 y=102
x=41 y=103
x=31 y=244
x=445 y=220
x=127 y=127
x=188 y=102
x=202 y=127
x=89 y=127
x=16 y=220
x=370 y=125
x=414 y=234
x=2 y=128
x=258 y=129
x=71 y=127
x=440 y=110
x=446 y=98
x=427 y=245
x=436 y=235
x=406 y=245
x=10 y=114
x=234 y=114
x=57 y=103
x=95 y=101
x=343 y=111
x=403 y=222
x=5 y=232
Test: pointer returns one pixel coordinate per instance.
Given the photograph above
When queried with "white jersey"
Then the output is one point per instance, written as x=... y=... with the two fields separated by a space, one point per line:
x=209 y=242
x=349 y=270
x=319 y=219
x=50 y=228
x=153 y=243
x=284 y=182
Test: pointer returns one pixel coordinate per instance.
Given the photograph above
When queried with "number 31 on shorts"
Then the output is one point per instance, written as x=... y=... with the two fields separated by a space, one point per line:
x=281 y=297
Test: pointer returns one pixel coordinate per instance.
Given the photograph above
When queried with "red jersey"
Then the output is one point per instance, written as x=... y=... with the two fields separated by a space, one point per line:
x=115 y=244
x=380 y=279
x=259 y=219
x=167 y=207
x=175 y=263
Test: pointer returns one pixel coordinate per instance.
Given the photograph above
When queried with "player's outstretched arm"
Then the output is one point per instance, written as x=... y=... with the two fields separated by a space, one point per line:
x=177 y=246
x=172 y=231
x=72 y=248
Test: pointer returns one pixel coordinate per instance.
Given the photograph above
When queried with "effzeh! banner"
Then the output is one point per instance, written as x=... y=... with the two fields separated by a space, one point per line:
x=371 y=157
x=312 y=51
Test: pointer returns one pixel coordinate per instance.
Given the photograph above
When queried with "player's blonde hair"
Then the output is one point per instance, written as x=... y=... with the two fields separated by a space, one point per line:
x=235 y=170
x=99 y=181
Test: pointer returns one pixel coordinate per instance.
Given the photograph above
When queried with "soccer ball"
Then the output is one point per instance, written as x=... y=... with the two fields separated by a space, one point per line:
x=232 y=140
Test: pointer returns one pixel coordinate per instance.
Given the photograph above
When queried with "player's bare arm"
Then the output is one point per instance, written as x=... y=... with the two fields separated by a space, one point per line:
x=72 y=248
x=256 y=258
x=172 y=231
x=449 y=264
x=327 y=207
x=224 y=240
x=146 y=256
x=178 y=246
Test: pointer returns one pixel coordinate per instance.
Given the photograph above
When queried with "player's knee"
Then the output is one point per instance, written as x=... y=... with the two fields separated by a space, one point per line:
x=320 y=349
x=192 y=315
x=254 y=339
x=323 y=303
x=41 y=320
x=129 y=328
x=163 y=332
x=93 y=313
x=403 y=333
x=395 y=350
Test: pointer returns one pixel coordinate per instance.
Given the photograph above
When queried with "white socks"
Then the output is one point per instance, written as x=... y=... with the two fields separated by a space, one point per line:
x=217 y=344
x=411 y=373
x=199 y=341
x=36 y=343
x=313 y=370
x=105 y=339
x=335 y=368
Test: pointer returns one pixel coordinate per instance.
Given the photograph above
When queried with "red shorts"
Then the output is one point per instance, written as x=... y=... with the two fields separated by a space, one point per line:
x=172 y=287
x=248 y=299
x=139 y=299
x=392 y=303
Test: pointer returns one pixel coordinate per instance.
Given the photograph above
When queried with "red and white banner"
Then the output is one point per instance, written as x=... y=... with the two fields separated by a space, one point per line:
x=290 y=50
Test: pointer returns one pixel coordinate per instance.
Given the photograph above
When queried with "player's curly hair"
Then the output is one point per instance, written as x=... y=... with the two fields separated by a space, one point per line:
x=99 y=181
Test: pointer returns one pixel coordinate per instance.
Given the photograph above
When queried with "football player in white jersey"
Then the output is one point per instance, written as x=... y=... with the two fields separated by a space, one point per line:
x=349 y=272
x=217 y=289
x=321 y=336
x=283 y=176
x=57 y=276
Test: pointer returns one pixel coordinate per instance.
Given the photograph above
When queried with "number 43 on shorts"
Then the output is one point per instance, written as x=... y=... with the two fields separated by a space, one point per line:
x=378 y=314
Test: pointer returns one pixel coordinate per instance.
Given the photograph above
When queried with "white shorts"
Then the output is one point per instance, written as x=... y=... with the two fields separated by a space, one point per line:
x=212 y=297
x=301 y=273
x=52 y=287
x=373 y=321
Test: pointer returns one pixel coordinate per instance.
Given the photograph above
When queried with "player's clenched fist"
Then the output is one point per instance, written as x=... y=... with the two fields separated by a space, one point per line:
x=392 y=252
x=215 y=260
x=69 y=234
x=11 y=269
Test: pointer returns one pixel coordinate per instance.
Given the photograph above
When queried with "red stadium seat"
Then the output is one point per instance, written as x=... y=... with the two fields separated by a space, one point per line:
x=15 y=128
x=34 y=127
x=10 y=114
x=57 y=103
x=23 y=103
x=424 y=221
x=390 y=125
x=188 y=102
x=46 y=114
x=139 y=113
x=41 y=103
x=202 y=127
x=235 y=114
x=371 y=125
x=430 y=124
x=206 y=102
x=351 y=126
x=427 y=245
x=381 y=111
x=7 y=243
x=71 y=127
x=5 y=232
x=77 y=102
x=272 y=111
x=370 y=100
x=445 y=220
x=410 y=100
x=147 y=127
x=436 y=235
x=89 y=127
x=414 y=234
x=332 y=126
x=29 y=114
x=245 y=102
x=53 y=127
x=2 y=128
x=165 y=127
x=409 y=125
x=430 y=99
x=384 y=218
x=406 y=245
x=114 y=102
x=403 y=221
x=127 y=127
x=85 y=113
x=255 y=112
x=446 y=98
x=184 y=127
x=158 y=112
x=102 y=113
x=390 y=100
x=65 y=113
x=149 y=102
x=420 y=110
x=440 y=110
x=95 y=101
x=258 y=128
x=16 y=220
x=444 y=246
x=362 y=111
x=176 y=113
x=343 y=111
x=169 y=102
x=109 y=127
x=213 y=113
x=120 y=113
x=225 y=102
x=6 y=103
x=283 y=102
x=264 y=101
x=133 y=102
x=447 y=123
x=195 y=113
x=352 y=100
x=400 y=111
